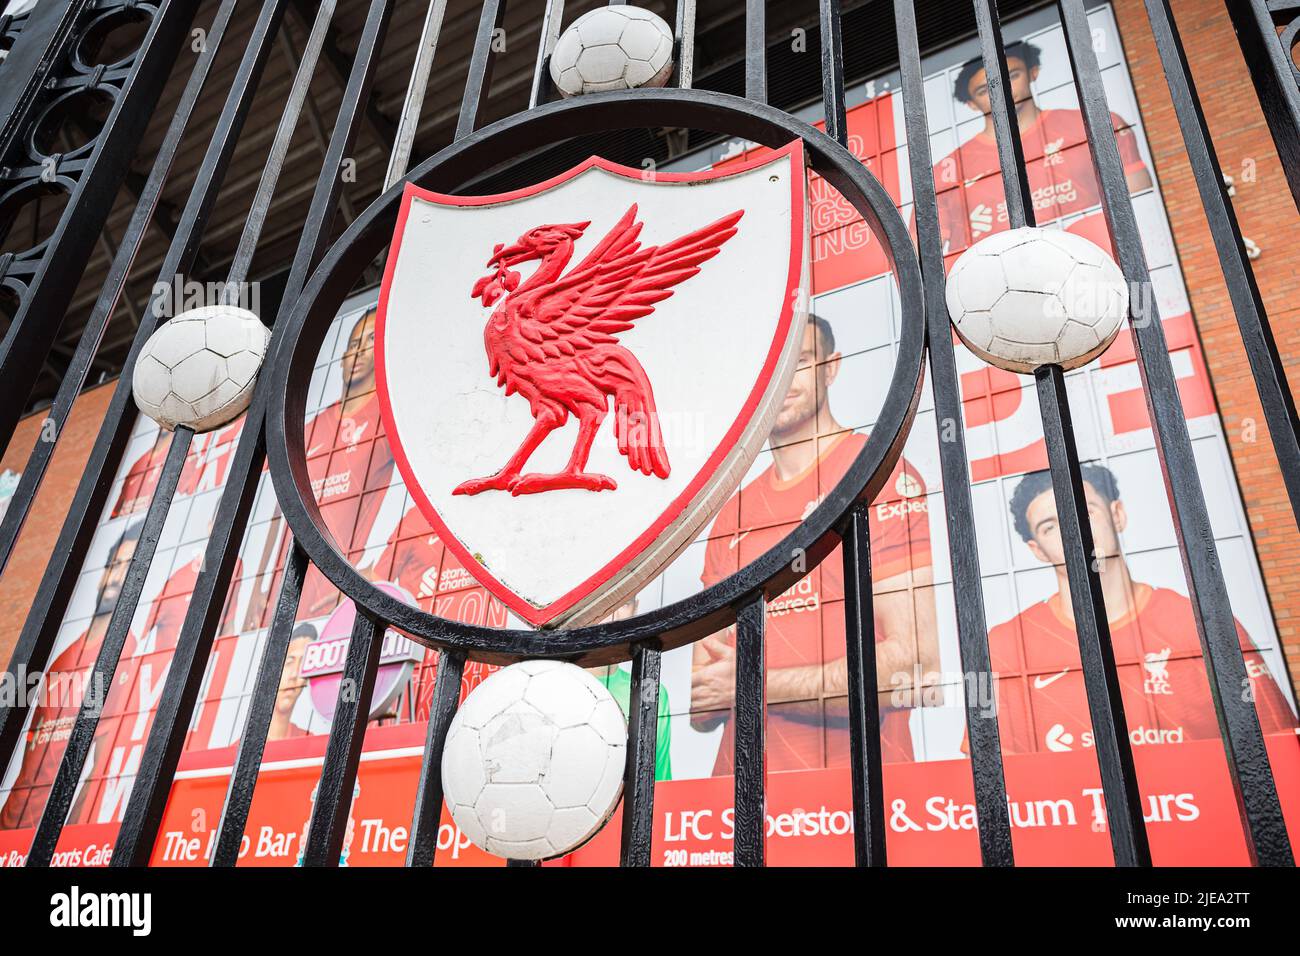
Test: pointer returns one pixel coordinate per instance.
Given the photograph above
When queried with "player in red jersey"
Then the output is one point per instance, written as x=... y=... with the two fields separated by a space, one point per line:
x=417 y=561
x=62 y=692
x=351 y=466
x=126 y=715
x=292 y=684
x=1042 y=704
x=971 y=198
x=807 y=722
x=205 y=468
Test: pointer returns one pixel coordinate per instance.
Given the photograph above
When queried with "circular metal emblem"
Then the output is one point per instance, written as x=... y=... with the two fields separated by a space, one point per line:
x=298 y=341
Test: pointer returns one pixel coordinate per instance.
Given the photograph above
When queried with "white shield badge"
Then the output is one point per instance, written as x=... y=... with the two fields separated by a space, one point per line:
x=574 y=376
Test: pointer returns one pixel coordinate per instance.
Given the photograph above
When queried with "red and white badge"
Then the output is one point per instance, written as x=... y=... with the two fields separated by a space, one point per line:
x=576 y=375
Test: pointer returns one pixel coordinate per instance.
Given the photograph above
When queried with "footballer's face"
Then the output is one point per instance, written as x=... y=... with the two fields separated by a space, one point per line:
x=807 y=391
x=291 y=684
x=1107 y=519
x=359 y=359
x=1021 y=77
x=110 y=583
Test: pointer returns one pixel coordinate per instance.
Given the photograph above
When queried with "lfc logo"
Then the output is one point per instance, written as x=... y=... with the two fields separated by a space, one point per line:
x=1157 y=668
x=568 y=419
x=554 y=341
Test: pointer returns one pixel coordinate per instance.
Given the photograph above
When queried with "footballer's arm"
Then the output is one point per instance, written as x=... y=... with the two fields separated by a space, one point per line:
x=901 y=649
x=906 y=613
x=713 y=679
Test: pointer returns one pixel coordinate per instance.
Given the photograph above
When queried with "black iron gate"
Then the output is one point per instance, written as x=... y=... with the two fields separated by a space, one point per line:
x=43 y=65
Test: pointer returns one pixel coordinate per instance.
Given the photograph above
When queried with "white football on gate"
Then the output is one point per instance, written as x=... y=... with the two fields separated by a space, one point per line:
x=533 y=763
x=199 y=368
x=612 y=48
x=1030 y=297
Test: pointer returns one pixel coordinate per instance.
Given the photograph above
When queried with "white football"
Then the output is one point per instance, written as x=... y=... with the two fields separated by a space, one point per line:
x=612 y=48
x=1030 y=297
x=533 y=764
x=199 y=368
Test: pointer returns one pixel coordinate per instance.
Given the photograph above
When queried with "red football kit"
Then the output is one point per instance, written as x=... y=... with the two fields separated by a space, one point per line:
x=1042 y=704
x=351 y=468
x=205 y=468
x=124 y=723
x=813 y=734
x=972 y=203
x=417 y=560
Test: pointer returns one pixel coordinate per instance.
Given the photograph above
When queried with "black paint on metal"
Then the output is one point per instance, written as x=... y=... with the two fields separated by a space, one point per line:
x=333 y=796
x=1252 y=776
x=36 y=639
x=639 y=774
x=864 y=710
x=261 y=708
x=148 y=798
x=1256 y=333
x=114 y=285
x=750 y=720
x=428 y=795
x=98 y=688
x=992 y=814
x=1128 y=835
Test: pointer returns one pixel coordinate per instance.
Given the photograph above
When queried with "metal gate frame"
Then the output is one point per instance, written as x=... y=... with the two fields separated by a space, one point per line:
x=319 y=280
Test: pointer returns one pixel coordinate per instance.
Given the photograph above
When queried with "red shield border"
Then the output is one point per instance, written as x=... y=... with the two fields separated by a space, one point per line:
x=541 y=616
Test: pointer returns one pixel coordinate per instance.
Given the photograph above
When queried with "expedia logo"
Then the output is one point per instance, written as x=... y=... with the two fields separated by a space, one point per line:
x=899 y=509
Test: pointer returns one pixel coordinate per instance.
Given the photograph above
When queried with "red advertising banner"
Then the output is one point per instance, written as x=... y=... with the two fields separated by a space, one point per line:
x=1056 y=805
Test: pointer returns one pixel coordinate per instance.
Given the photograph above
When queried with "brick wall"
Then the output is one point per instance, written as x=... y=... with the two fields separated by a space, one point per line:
x=27 y=564
x=1267 y=214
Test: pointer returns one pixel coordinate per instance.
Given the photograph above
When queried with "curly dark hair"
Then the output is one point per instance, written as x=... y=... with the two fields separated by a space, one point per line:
x=1028 y=54
x=1036 y=482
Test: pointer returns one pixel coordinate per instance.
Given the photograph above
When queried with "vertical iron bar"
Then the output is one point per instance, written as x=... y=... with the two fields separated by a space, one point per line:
x=992 y=815
x=1273 y=73
x=751 y=720
x=280 y=143
x=756 y=50
x=423 y=845
x=1252 y=776
x=35 y=327
x=333 y=806
x=864 y=708
x=1128 y=835
x=148 y=800
x=261 y=708
x=639 y=773
x=1256 y=332
x=66 y=558
x=99 y=686
x=684 y=43
x=31 y=61
x=114 y=284
x=479 y=82
x=415 y=89
x=1011 y=153
x=1092 y=627
x=549 y=34
x=833 y=108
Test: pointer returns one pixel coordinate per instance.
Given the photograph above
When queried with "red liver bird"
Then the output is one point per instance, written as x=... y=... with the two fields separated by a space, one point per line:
x=553 y=339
